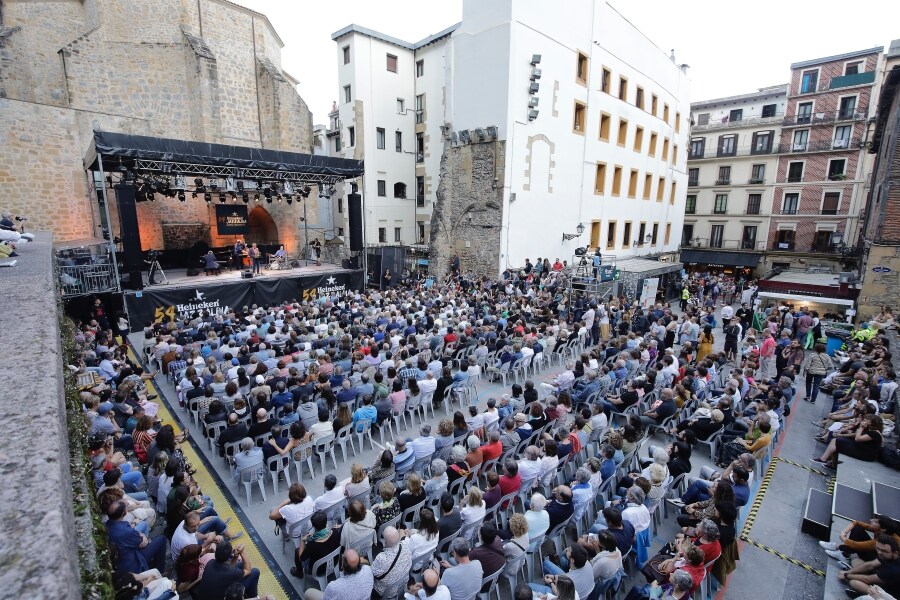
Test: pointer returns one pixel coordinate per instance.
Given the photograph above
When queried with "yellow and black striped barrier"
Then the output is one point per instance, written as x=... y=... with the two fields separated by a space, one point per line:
x=783 y=556
x=807 y=467
x=757 y=501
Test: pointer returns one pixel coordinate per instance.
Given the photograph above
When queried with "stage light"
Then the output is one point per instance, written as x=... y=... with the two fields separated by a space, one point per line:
x=305 y=191
x=208 y=197
x=288 y=200
x=181 y=195
x=256 y=196
x=193 y=195
x=198 y=183
x=245 y=197
x=222 y=197
x=214 y=184
x=268 y=194
x=240 y=186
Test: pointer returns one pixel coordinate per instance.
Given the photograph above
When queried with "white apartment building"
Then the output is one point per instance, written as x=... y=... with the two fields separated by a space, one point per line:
x=732 y=166
x=592 y=118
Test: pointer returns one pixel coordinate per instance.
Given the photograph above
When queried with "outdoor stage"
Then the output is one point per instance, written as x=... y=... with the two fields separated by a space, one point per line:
x=185 y=295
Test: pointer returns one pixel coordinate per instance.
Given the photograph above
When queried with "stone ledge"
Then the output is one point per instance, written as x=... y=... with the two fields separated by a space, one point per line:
x=38 y=550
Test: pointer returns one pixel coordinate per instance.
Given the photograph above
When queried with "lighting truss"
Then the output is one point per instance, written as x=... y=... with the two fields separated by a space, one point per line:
x=167 y=167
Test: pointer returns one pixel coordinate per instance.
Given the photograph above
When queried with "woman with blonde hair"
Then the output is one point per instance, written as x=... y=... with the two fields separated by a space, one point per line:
x=358 y=481
x=414 y=492
x=389 y=507
x=472 y=508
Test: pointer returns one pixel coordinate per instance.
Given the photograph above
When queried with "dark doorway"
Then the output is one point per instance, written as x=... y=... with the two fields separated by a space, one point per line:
x=261 y=228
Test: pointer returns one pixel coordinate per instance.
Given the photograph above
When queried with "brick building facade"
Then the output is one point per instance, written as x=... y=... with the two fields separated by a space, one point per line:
x=821 y=180
x=205 y=70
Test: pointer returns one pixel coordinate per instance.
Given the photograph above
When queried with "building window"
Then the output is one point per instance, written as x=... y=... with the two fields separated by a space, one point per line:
x=660 y=188
x=340 y=204
x=804 y=113
x=736 y=114
x=420 y=190
x=579 y=117
x=754 y=201
x=836 y=169
x=420 y=68
x=853 y=68
x=648 y=183
x=397 y=237
x=842 y=136
x=421 y=232
x=623 y=132
x=716 y=235
x=727 y=145
x=690 y=204
x=784 y=239
x=632 y=183
x=665 y=112
x=677 y=122
x=420 y=108
x=617 y=181
x=668 y=233
x=623 y=88
x=654 y=233
x=379 y=138
x=703 y=119
x=831 y=203
x=604 y=126
x=721 y=206
x=600 y=179
x=795 y=172
x=382 y=235
x=420 y=147
x=346 y=50
x=665 y=152
x=674 y=154
x=638 y=138
x=382 y=188
x=337 y=143
x=398 y=141
x=605 y=76
x=808 y=81
x=639 y=97
x=340 y=231
x=626 y=235
x=399 y=190
x=697 y=145
x=762 y=142
x=351 y=136
x=672 y=188
x=581 y=68
x=757 y=174
x=801 y=138
x=347 y=95
x=642 y=234
x=748 y=239
x=611 y=235
x=822 y=242
x=724 y=176
x=789 y=206
x=391 y=63
x=401 y=105
x=768 y=110
x=652 y=150
x=687 y=234
x=694 y=176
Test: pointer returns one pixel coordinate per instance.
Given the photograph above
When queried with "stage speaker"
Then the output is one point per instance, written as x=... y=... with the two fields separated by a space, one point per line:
x=295 y=264
x=350 y=263
x=193 y=272
x=354 y=203
x=247 y=274
x=130 y=234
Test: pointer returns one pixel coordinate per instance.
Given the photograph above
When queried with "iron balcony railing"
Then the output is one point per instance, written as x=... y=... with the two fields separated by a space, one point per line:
x=715 y=152
x=701 y=243
x=727 y=123
x=857 y=114
x=825 y=145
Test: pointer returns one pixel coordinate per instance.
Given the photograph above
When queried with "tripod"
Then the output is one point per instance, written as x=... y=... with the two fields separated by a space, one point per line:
x=156 y=269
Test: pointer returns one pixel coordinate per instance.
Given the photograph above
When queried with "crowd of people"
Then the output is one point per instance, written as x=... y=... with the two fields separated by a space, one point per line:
x=485 y=486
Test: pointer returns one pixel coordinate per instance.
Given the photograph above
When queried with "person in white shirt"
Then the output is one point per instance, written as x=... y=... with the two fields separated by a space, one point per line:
x=430 y=588
x=635 y=512
x=423 y=445
x=323 y=428
x=429 y=384
x=530 y=466
x=333 y=494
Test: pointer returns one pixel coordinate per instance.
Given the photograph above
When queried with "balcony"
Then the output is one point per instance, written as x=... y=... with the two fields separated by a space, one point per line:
x=700 y=243
x=420 y=200
x=755 y=181
x=824 y=118
x=783 y=246
x=726 y=123
x=693 y=182
x=713 y=152
x=852 y=80
x=837 y=177
x=725 y=181
x=826 y=146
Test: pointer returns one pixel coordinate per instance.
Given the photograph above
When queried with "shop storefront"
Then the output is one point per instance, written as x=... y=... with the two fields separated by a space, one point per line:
x=715 y=262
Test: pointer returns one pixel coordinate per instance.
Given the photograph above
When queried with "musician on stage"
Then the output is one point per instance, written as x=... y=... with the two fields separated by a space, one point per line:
x=255 y=256
x=238 y=256
x=210 y=264
x=317 y=248
x=281 y=254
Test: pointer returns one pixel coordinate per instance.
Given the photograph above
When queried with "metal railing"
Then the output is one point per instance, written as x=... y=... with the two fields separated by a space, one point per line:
x=714 y=152
x=824 y=146
x=693 y=182
x=816 y=118
x=756 y=181
x=703 y=243
x=783 y=246
x=83 y=280
x=724 y=181
x=726 y=123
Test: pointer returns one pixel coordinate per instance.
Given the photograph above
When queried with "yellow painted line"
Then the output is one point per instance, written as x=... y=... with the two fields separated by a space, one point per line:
x=268 y=583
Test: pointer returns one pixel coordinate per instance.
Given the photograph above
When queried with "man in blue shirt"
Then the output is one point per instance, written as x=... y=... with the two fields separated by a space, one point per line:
x=346 y=393
x=281 y=397
x=608 y=464
x=366 y=412
x=137 y=553
x=404 y=456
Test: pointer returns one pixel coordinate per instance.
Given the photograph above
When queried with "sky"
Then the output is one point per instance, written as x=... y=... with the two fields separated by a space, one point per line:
x=730 y=50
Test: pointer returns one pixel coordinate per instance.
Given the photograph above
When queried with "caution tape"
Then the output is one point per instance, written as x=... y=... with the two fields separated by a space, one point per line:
x=802 y=466
x=783 y=556
x=831 y=482
x=757 y=501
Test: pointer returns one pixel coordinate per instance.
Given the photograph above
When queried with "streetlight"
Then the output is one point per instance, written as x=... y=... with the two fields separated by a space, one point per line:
x=571 y=236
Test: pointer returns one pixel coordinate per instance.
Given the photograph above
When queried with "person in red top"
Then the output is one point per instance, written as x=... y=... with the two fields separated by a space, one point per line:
x=510 y=481
x=494 y=448
x=767 y=356
x=450 y=337
x=557 y=266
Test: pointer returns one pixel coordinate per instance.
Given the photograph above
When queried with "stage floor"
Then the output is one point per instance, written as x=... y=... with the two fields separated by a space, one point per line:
x=179 y=278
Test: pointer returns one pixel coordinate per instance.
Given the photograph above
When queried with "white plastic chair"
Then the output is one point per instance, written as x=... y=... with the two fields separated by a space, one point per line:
x=250 y=475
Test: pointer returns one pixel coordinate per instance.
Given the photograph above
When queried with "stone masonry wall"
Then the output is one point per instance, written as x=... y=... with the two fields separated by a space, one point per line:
x=468 y=210
x=204 y=70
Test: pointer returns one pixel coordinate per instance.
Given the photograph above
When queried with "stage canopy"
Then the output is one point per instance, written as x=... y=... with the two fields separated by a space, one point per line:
x=174 y=157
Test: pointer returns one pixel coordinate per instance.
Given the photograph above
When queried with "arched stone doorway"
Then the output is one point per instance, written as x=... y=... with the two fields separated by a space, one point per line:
x=261 y=228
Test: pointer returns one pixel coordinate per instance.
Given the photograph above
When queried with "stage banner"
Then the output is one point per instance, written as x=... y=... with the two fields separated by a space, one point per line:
x=168 y=304
x=231 y=219
x=164 y=304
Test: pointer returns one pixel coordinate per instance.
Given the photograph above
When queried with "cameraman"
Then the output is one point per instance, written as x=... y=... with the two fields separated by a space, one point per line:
x=6 y=222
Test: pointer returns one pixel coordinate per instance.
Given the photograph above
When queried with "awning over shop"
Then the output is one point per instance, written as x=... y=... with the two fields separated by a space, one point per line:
x=715 y=258
x=643 y=267
x=798 y=300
